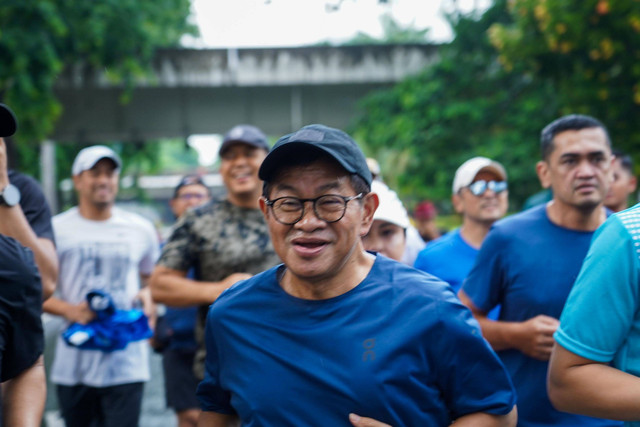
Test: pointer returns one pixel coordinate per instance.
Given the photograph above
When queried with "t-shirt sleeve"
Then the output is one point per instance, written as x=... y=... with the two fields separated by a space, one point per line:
x=212 y=397
x=34 y=205
x=470 y=375
x=422 y=260
x=177 y=252
x=17 y=265
x=484 y=283
x=601 y=306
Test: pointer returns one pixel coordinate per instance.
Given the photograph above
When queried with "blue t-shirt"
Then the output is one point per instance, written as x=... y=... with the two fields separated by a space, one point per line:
x=449 y=258
x=528 y=265
x=601 y=320
x=390 y=349
x=182 y=322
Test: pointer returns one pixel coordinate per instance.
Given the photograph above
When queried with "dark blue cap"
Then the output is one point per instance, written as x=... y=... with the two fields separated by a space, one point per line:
x=333 y=142
x=245 y=134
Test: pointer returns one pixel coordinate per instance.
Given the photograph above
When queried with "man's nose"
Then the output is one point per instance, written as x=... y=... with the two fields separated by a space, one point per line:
x=309 y=216
x=586 y=169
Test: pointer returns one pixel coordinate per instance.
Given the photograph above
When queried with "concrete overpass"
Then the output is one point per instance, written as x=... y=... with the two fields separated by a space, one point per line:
x=193 y=91
x=208 y=91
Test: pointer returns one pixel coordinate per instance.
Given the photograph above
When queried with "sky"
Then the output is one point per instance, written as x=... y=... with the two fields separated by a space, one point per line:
x=280 y=23
x=285 y=23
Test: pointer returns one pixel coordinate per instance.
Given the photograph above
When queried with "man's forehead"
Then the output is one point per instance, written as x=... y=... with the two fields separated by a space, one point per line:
x=592 y=137
x=313 y=177
x=243 y=146
x=487 y=173
x=105 y=162
x=323 y=165
x=192 y=187
x=324 y=184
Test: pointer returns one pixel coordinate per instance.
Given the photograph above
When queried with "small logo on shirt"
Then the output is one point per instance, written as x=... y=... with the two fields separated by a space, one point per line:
x=369 y=345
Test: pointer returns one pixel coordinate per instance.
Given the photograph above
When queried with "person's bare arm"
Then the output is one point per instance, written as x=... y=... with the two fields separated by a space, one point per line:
x=215 y=419
x=533 y=337
x=583 y=386
x=146 y=301
x=478 y=419
x=14 y=224
x=171 y=287
x=78 y=313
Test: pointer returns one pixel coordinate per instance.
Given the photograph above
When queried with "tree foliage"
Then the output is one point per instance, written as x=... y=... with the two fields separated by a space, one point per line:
x=40 y=38
x=392 y=32
x=462 y=106
x=590 y=49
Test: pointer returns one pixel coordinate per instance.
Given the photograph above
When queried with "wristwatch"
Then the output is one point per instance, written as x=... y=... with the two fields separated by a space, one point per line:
x=10 y=196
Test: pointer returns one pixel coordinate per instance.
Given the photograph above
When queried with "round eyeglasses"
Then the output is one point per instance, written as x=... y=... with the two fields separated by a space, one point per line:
x=479 y=187
x=329 y=208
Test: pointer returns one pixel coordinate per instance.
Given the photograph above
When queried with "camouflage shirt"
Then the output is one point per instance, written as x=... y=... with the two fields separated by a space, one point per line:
x=216 y=240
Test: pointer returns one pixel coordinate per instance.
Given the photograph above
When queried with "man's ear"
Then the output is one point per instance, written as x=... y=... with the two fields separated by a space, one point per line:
x=633 y=184
x=543 y=171
x=263 y=206
x=76 y=181
x=369 y=205
x=458 y=203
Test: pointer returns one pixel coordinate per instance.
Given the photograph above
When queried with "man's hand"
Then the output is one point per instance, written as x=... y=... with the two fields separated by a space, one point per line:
x=148 y=306
x=80 y=313
x=359 y=421
x=535 y=336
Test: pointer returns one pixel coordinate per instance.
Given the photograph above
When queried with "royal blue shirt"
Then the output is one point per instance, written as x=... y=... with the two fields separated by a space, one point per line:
x=399 y=347
x=528 y=265
x=448 y=257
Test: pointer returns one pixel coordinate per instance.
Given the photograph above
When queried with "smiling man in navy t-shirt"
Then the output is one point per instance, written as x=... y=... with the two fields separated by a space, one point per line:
x=335 y=335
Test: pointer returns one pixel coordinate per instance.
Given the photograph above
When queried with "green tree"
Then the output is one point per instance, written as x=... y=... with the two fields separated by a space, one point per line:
x=392 y=32
x=590 y=49
x=39 y=39
x=462 y=106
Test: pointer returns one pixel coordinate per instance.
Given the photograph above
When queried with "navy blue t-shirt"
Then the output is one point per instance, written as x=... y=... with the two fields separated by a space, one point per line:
x=33 y=204
x=528 y=265
x=399 y=347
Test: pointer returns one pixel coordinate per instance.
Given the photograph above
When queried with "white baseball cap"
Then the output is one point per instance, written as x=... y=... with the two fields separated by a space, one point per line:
x=88 y=157
x=390 y=208
x=467 y=172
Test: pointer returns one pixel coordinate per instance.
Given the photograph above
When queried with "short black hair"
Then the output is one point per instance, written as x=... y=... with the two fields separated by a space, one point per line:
x=305 y=156
x=625 y=160
x=564 y=123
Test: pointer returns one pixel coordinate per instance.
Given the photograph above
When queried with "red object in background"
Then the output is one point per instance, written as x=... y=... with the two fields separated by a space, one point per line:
x=425 y=210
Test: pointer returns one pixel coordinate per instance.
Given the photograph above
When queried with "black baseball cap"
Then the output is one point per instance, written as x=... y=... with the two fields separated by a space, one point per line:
x=189 y=180
x=333 y=142
x=245 y=134
x=8 y=122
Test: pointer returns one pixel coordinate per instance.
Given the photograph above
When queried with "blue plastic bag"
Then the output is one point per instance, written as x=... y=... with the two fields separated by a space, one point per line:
x=111 y=330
